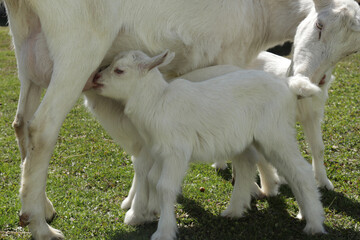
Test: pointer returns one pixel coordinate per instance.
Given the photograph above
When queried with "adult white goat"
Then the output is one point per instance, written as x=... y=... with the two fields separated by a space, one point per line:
x=183 y=121
x=79 y=35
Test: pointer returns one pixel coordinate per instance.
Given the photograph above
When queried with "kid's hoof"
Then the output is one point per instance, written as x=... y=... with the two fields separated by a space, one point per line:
x=327 y=184
x=230 y=213
x=132 y=219
x=51 y=218
x=312 y=229
x=24 y=220
x=126 y=204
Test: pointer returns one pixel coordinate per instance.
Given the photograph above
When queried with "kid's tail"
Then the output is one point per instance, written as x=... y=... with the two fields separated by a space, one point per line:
x=302 y=86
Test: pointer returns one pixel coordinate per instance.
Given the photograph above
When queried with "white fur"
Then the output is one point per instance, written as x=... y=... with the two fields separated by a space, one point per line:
x=76 y=35
x=339 y=37
x=79 y=36
x=219 y=118
x=310 y=112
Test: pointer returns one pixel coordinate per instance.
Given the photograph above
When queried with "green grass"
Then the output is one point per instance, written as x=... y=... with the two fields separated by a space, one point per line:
x=89 y=176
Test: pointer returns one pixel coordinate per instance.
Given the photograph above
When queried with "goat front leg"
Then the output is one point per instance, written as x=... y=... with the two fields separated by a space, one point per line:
x=244 y=166
x=312 y=129
x=29 y=101
x=126 y=204
x=138 y=213
x=42 y=132
x=172 y=174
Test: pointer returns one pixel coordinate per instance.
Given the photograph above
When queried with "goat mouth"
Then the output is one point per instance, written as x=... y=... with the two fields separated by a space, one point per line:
x=322 y=81
x=96 y=84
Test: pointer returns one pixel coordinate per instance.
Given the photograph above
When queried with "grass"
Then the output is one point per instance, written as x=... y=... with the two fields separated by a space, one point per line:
x=89 y=176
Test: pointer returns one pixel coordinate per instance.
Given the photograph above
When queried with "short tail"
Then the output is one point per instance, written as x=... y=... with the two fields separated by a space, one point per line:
x=302 y=86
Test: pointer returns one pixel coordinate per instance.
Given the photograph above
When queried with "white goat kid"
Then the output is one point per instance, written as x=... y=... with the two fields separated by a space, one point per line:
x=219 y=118
x=141 y=214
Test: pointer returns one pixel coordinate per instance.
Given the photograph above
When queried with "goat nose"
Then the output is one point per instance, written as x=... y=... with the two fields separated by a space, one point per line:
x=97 y=76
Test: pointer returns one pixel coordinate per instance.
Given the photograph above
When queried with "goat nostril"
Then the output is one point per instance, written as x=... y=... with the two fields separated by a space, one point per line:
x=97 y=76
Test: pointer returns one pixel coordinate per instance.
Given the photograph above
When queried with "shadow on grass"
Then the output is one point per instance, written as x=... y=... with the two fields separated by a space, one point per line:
x=141 y=233
x=272 y=222
x=340 y=203
x=265 y=224
x=334 y=201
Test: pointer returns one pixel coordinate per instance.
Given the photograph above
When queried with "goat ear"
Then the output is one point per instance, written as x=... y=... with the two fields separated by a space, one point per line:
x=319 y=4
x=160 y=60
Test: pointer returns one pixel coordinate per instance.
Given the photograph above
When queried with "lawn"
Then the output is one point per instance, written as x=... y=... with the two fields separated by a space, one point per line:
x=89 y=176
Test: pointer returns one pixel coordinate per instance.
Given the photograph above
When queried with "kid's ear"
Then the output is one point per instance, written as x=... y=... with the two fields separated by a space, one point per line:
x=160 y=60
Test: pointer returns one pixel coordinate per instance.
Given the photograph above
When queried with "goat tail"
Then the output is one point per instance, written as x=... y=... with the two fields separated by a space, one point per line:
x=302 y=86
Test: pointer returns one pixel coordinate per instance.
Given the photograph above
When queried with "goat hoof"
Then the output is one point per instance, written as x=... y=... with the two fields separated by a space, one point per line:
x=24 y=220
x=45 y=232
x=271 y=192
x=57 y=238
x=220 y=166
x=51 y=218
x=132 y=219
x=259 y=195
x=327 y=184
x=231 y=213
x=126 y=204
x=312 y=229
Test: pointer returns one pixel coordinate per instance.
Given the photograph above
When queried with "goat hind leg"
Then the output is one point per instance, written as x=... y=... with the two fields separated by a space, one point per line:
x=244 y=166
x=287 y=159
x=126 y=203
x=169 y=184
x=153 y=179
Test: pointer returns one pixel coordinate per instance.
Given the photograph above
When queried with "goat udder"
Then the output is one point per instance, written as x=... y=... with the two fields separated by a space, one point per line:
x=92 y=82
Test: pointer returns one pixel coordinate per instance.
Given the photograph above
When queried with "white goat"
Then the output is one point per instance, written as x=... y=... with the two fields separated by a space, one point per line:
x=79 y=35
x=82 y=34
x=219 y=118
x=330 y=32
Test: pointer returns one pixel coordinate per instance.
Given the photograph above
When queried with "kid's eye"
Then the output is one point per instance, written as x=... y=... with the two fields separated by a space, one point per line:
x=319 y=25
x=118 y=71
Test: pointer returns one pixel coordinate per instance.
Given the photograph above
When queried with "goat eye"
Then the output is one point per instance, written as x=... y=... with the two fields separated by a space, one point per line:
x=118 y=71
x=319 y=26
